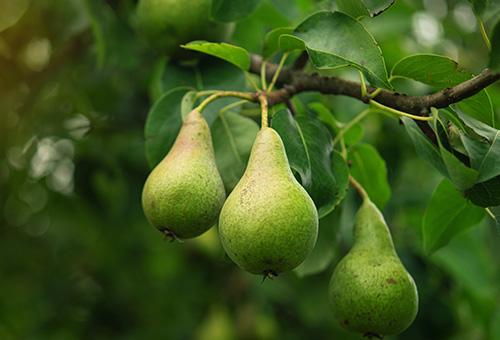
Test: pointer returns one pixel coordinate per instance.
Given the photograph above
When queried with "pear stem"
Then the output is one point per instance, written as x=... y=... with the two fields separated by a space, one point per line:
x=264 y=110
x=247 y=96
x=359 y=188
x=205 y=93
x=271 y=274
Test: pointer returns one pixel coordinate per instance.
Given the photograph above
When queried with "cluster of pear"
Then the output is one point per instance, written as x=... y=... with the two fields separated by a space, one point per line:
x=267 y=225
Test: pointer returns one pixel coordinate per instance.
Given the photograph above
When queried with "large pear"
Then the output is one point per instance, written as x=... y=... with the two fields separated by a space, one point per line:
x=371 y=292
x=184 y=193
x=269 y=224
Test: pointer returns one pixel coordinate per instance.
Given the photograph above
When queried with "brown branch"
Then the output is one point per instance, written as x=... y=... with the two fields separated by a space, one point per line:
x=293 y=81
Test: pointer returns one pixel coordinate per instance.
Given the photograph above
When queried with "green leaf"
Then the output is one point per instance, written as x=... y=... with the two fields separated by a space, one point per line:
x=325 y=116
x=494 y=63
x=232 y=10
x=233 y=136
x=484 y=151
x=441 y=72
x=376 y=7
x=339 y=166
x=368 y=8
x=333 y=40
x=484 y=130
x=452 y=116
x=12 y=11
x=289 y=42
x=235 y=55
x=426 y=150
x=455 y=139
x=271 y=41
x=484 y=157
x=309 y=148
x=369 y=169
x=156 y=88
x=471 y=264
x=355 y=8
x=352 y=136
x=485 y=194
x=163 y=124
x=447 y=214
x=463 y=176
x=460 y=174
x=210 y=74
x=173 y=76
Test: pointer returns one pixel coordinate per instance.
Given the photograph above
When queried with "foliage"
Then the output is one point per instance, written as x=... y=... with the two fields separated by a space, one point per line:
x=87 y=108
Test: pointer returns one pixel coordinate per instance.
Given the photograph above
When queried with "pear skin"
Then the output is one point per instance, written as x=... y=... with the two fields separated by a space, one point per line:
x=371 y=292
x=183 y=195
x=269 y=223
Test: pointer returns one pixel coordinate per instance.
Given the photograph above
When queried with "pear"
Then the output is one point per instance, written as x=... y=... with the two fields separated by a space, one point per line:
x=268 y=224
x=370 y=290
x=183 y=195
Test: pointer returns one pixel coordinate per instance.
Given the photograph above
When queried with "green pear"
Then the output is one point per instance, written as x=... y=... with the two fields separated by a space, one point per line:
x=183 y=195
x=167 y=24
x=269 y=224
x=371 y=292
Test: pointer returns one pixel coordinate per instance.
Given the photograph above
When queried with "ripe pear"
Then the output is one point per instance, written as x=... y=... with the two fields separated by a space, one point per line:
x=183 y=195
x=167 y=24
x=269 y=224
x=370 y=290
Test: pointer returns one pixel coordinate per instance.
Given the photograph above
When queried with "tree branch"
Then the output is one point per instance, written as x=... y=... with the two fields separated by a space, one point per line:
x=292 y=81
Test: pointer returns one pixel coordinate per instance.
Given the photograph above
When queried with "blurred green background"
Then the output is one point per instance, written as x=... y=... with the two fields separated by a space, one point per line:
x=78 y=259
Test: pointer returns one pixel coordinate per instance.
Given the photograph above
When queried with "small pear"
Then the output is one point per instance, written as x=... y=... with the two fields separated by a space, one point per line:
x=184 y=193
x=370 y=291
x=269 y=224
